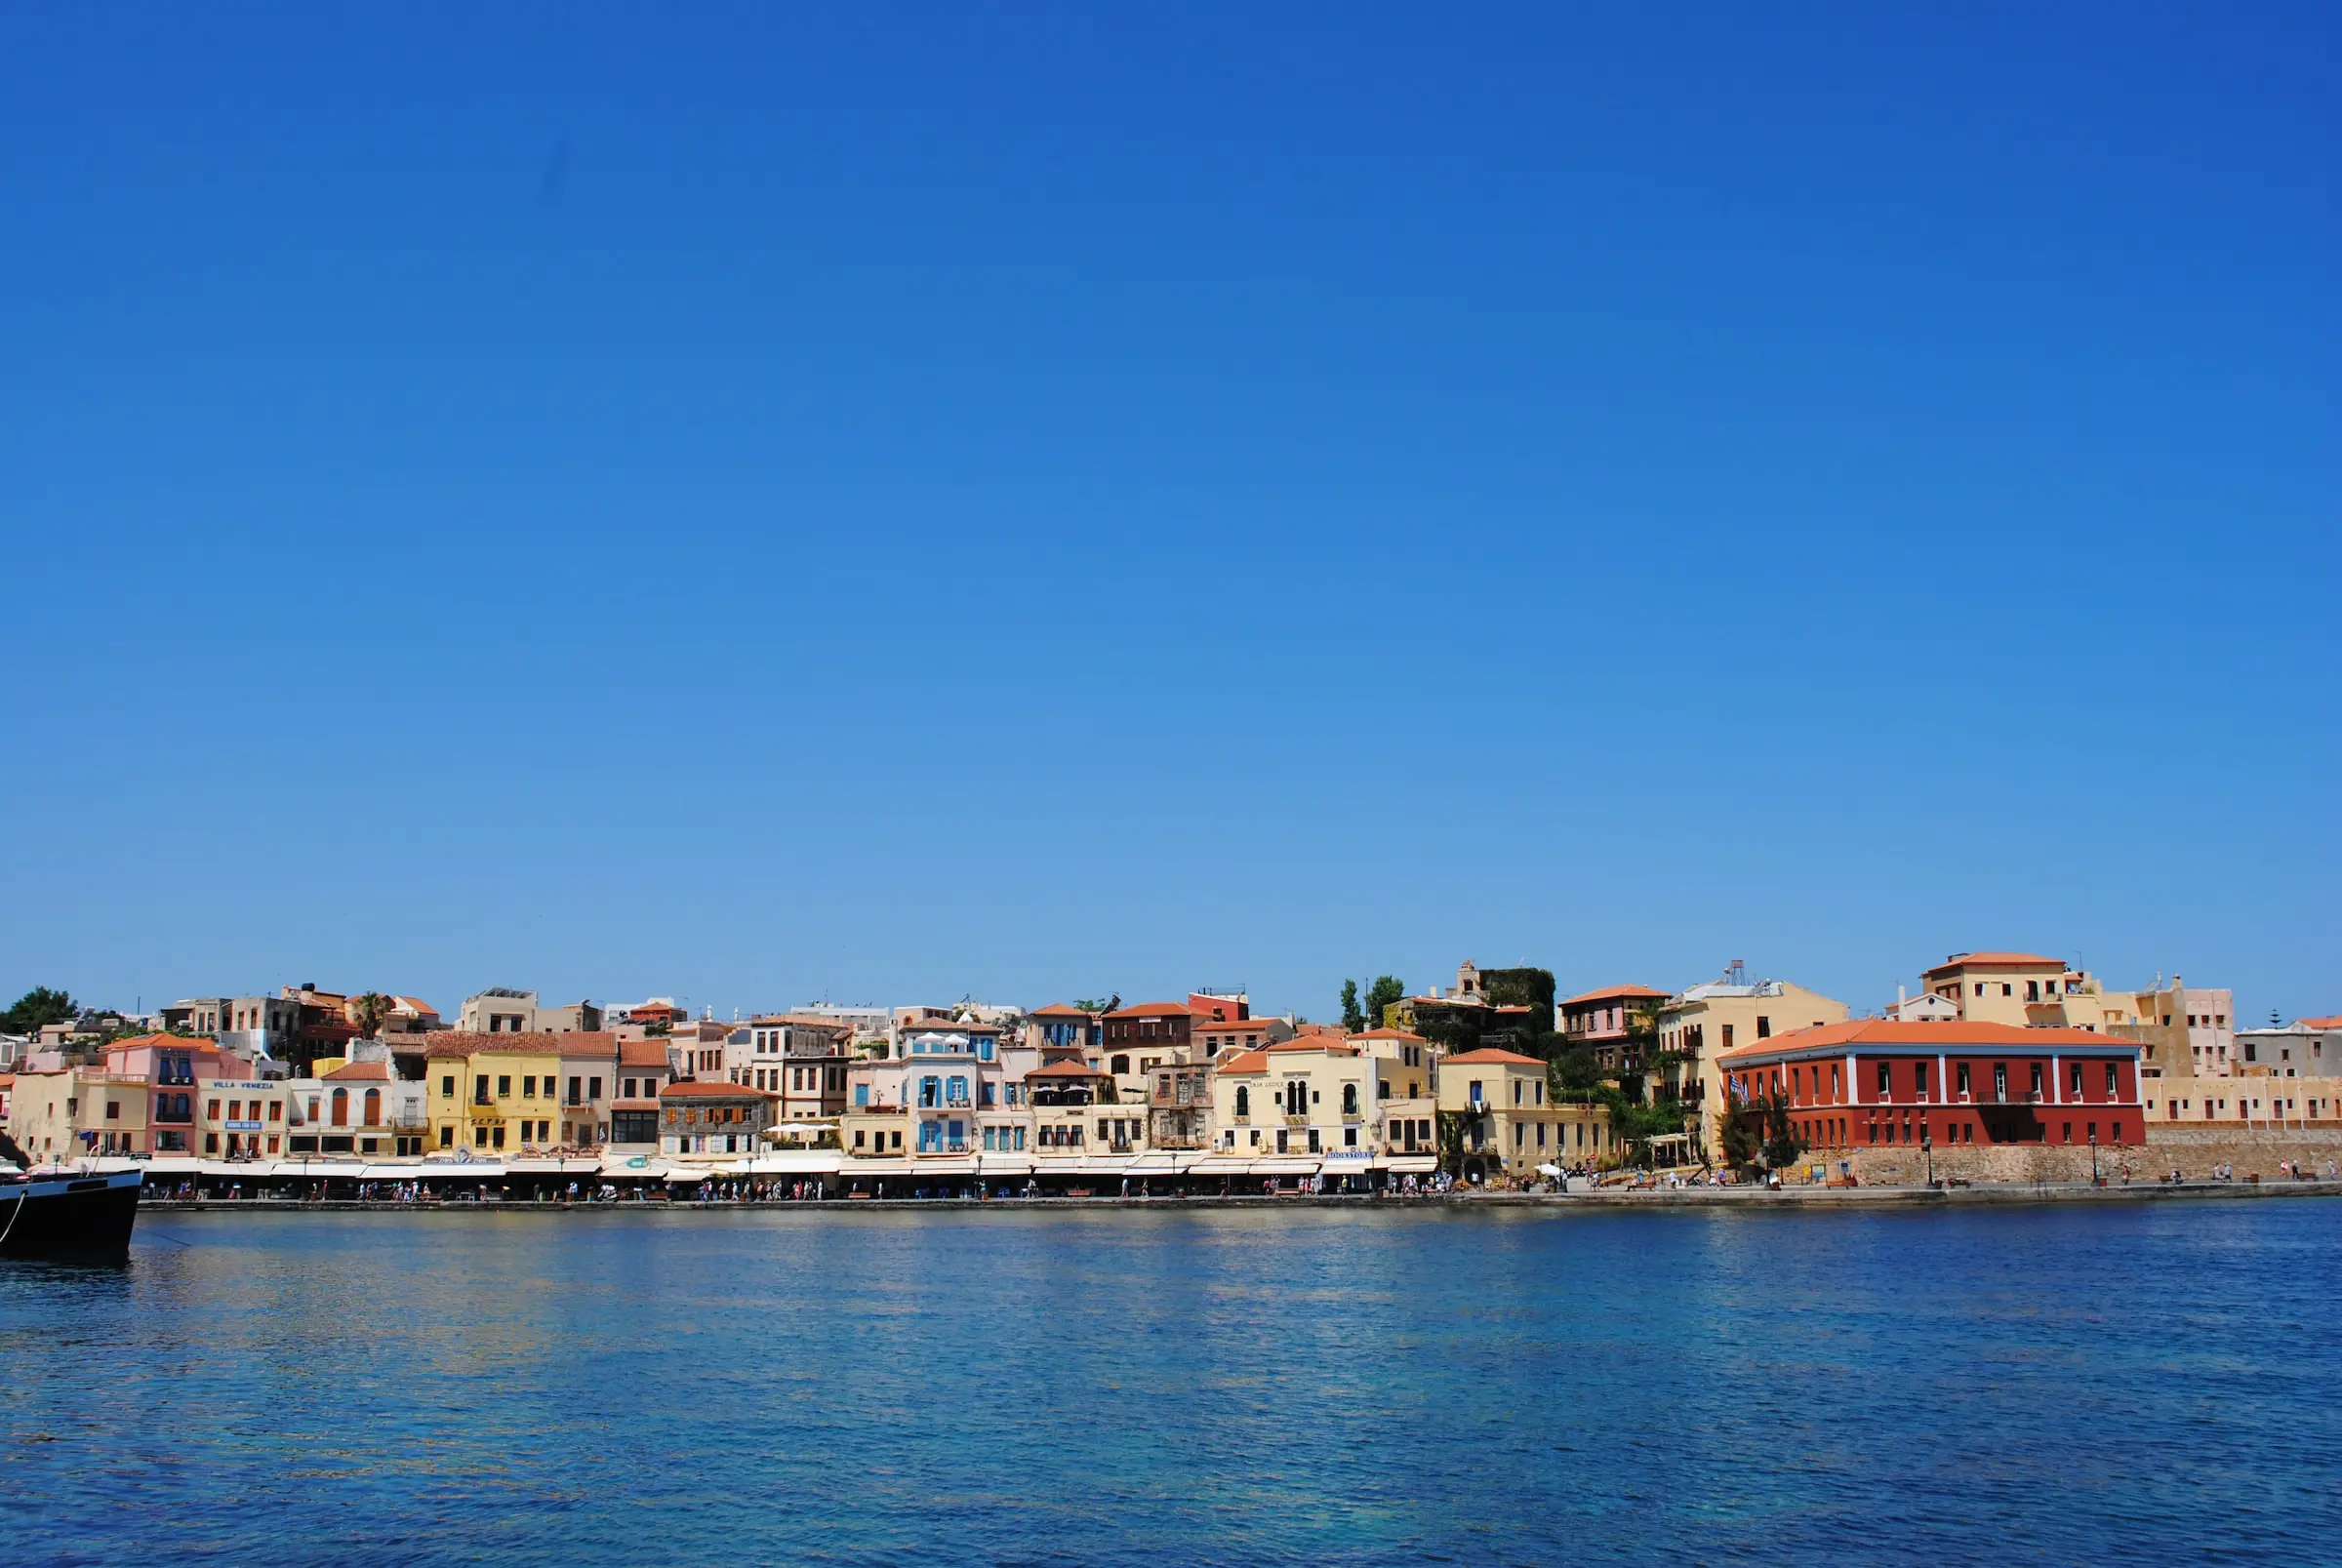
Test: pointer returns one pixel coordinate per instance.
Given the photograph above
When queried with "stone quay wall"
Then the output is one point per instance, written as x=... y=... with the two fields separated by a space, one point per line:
x=2195 y=1152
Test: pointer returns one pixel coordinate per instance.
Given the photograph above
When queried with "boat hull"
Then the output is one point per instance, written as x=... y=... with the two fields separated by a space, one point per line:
x=73 y=1219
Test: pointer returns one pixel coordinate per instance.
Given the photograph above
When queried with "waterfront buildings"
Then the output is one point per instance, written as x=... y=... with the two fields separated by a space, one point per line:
x=1507 y=1123
x=713 y=1118
x=1702 y=1023
x=1618 y=1022
x=1872 y=1082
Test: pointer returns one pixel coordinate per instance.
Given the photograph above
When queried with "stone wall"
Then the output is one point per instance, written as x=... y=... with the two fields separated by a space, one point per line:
x=2194 y=1151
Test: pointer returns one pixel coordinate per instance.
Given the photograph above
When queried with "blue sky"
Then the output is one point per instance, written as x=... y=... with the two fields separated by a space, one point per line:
x=892 y=503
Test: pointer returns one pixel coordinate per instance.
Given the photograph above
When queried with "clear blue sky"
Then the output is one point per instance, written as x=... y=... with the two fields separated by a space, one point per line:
x=900 y=502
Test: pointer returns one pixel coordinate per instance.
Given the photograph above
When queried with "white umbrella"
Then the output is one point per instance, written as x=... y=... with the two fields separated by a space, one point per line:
x=1548 y=1170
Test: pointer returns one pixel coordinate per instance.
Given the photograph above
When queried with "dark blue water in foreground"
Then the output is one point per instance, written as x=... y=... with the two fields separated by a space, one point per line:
x=2147 y=1384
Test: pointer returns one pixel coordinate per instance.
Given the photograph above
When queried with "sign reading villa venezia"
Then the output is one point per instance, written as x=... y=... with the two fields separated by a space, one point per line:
x=1493 y=1081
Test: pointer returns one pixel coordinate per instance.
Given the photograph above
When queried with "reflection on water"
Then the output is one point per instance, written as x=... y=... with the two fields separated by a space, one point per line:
x=2121 y=1383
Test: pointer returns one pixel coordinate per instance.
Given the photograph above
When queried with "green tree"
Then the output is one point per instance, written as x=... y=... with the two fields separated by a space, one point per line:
x=1354 y=1017
x=1743 y=1134
x=1782 y=1145
x=36 y=1008
x=1381 y=996
x=368 y=1012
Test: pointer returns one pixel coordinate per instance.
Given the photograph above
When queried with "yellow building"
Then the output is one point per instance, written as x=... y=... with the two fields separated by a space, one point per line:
x=494 y=1093
x=1313 y=1095
x=1996 y=988
x=1508 y=1127
x=1700 y=1024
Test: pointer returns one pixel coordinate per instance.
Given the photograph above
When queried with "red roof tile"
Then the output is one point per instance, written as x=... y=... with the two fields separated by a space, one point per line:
x=1949 y=1034
x=1157 y=1010
x=1489 y=1057
x=1617 y=994
x=1994 y=960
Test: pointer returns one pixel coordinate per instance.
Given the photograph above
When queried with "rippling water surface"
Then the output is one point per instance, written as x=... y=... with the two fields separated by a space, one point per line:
x=2103 y=1383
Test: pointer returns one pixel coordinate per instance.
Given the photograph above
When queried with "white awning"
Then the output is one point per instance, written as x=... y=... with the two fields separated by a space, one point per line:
x=944 y=1167
x=1221 y=1165
x=849 y=1170
x=1409 y=1164
x=1285 y=1165
x=1005 y=1164
x=798 y=1162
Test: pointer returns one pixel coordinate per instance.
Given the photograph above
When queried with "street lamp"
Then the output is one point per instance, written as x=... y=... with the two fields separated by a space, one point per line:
x=2093 y=1156
x=1927 y=1146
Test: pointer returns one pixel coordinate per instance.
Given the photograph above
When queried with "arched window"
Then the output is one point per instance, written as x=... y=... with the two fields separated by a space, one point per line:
x=340 y=1107
x=374 y=1107
x=1350 y=1100
x=1243 y=1101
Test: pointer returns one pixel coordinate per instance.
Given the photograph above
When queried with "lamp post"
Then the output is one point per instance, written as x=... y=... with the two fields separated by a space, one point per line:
x=2093 y=1159
x=1927 y=1148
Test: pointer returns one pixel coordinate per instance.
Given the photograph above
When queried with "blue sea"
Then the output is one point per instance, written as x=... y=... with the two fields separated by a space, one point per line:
x=2100 y=1382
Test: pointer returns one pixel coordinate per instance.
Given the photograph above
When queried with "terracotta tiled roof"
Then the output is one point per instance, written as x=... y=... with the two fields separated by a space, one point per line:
x=360 y=1072
x=1244 y=1063
x=1057 y=1010
x=947 y=1026
x=465 y=1042
x=642 y=1053
x=695 y=1088
x=1157 y=1010
x=1390 y=1034
x=1994 y=960
x=1489 y=1057
x=1329 y=1044
x=2335 y=1022
x=1946 y=1035
x=1064 y=1069
x=1624 y=994
x=601 y=1043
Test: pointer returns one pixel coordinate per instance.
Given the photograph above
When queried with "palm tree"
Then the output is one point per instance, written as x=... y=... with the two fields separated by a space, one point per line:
x=366 y=1012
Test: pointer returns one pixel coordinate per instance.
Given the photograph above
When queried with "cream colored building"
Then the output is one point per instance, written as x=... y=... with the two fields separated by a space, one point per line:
x=1702 y=1022
x=1317 y=1093
x=1510 y=1126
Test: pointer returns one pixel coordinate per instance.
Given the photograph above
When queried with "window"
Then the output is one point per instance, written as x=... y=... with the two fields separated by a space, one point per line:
x=2007 y=989
x=1517 y=1087
x=2035 y=1089
x=1964 y=1080
x=1350 y=1100
x=1764 y=1027
x=447 y=1138
x=1980 y=987
x=447 y=1086
x=504 y=1085
x=528 y=1087
x=1886 y=1081
x=1919 y=1078
x=1119 y=1065
x=1243 y=1101
x=2112 y=1080
x=1999 y=1080
x=931 y=1092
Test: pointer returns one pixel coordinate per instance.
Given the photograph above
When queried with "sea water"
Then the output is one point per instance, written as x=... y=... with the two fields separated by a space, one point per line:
x=2097 y=1383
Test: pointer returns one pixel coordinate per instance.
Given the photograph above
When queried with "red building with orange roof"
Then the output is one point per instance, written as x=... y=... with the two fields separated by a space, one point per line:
x=1872 y=1082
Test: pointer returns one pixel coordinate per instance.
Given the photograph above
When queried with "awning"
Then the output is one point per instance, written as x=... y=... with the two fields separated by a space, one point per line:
x=173 y=1165
x=1285 y=1165
x=798 y=1162
x=849 y=1170
x=460 y=1172
x=1409 y=1164
x=1220 y=1165
x=634 y=1167
x=1006 y=1164
x=942 y=1167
